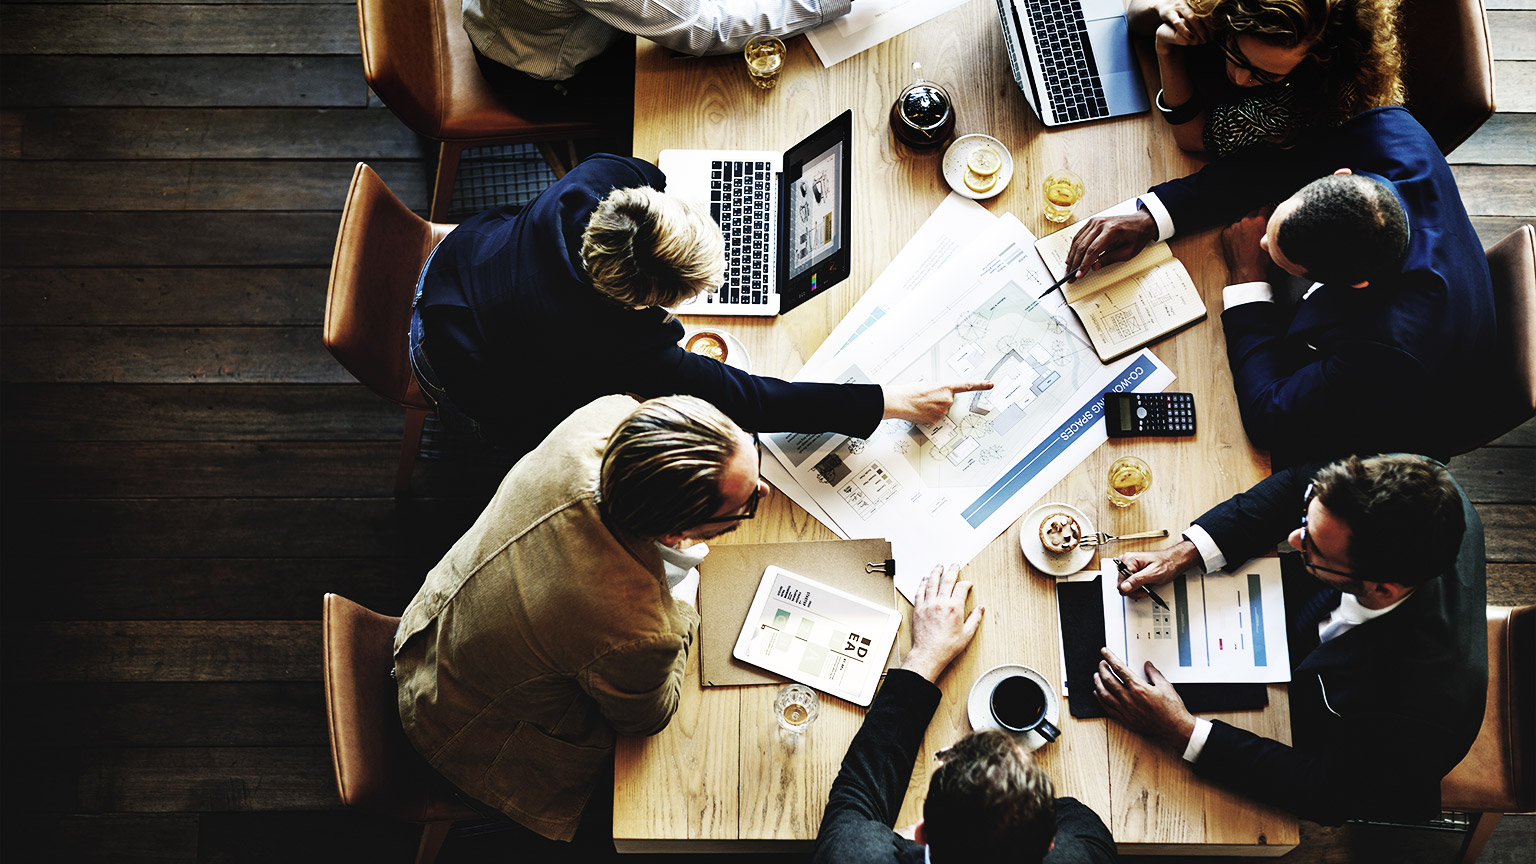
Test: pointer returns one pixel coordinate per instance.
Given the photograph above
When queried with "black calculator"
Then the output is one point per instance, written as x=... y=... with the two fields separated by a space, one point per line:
x=1128 y=415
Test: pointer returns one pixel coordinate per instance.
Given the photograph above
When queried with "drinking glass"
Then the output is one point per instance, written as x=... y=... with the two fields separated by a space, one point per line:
x=1129 y=479
x=1063 y=190
x=796 y=707
x=765 y=57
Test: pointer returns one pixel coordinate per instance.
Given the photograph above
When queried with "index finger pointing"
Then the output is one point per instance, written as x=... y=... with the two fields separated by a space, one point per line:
x=968 y=386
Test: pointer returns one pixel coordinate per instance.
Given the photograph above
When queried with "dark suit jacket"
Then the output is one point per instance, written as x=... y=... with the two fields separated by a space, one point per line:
x=520 y=339
x=866 y=797
x=1379 y=714
x=1370 y=370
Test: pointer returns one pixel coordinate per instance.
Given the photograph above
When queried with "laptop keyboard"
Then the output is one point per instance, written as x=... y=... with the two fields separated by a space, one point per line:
x=1070 y=77
x=739 y=198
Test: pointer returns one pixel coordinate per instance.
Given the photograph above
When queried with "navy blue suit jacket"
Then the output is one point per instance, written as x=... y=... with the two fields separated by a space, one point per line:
x=866 y=797
x=1380 y=713
x=1369 y=370
x=520 y=338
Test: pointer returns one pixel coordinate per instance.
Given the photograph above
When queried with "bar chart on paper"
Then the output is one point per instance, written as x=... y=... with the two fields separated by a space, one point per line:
x=1223 y=627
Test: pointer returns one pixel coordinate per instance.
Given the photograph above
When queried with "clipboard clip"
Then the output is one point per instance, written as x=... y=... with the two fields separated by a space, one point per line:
x=888 y=567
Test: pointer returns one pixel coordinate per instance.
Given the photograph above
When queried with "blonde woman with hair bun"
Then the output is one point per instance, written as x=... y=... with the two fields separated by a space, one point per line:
x=523 y=315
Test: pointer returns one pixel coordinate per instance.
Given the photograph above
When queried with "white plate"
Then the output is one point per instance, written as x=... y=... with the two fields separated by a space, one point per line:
x=736 y=355
x=954 y=165
x=1046 y=561
x=978 y=706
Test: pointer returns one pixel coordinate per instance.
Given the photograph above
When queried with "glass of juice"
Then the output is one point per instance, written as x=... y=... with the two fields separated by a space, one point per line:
x=1129 y=479
x=1063 y=190
x=765 y=57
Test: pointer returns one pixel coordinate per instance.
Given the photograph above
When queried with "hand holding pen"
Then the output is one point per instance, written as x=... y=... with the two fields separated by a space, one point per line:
x=1125 y=572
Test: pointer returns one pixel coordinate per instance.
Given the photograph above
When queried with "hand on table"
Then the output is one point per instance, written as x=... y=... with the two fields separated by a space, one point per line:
x=1158 y=567
x=1107 y=239
x=940 y=627
x=923 y=402
x=1150 y=706
x=1246 y=259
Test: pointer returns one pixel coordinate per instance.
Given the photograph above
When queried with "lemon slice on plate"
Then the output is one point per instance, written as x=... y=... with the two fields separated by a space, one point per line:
x=978 y=183
x=984 y=162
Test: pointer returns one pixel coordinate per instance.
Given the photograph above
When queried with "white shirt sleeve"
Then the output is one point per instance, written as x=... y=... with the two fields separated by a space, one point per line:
x=1210 y=553
x=1197 y=739
x=1246 y=292
x=1159 y=215
x=712 y=26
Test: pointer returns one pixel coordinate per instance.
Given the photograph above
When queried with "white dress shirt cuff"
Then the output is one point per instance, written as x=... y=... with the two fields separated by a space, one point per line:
x=1159 y=215
x=1246 y=292
x=1210 y=553
x=1197 y=739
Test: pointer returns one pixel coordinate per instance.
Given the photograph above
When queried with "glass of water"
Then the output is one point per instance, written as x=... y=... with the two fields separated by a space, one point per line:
x=796 y=707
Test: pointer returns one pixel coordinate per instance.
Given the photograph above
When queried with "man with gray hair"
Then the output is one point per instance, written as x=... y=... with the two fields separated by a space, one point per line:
x=564 y=616
x=1395 y=296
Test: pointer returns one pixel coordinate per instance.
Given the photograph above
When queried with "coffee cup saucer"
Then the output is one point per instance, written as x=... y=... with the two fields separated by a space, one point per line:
x=736 y=353
x=1044 y=560
x=978 y=706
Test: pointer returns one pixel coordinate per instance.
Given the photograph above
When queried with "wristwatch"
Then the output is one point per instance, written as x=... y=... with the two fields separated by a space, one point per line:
x=1180 y=114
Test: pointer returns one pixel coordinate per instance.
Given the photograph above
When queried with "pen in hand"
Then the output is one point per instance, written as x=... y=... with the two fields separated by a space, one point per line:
x=1126 y=572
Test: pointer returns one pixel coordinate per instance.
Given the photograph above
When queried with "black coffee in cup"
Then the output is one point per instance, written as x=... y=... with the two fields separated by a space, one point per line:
x=1018 y=705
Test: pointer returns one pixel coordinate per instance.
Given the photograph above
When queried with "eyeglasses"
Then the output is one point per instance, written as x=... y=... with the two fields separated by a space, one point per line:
x=1306 y=543
x=751 y=508
x=1236 y=58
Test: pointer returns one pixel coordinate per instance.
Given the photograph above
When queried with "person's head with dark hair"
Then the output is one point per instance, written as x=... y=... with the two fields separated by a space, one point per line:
x=1401 y=517
x=1342 y=229
x=988 y=802
x=678 y=467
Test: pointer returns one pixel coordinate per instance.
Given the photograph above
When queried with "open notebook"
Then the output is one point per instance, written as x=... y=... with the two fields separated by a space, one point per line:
x=1130 y=304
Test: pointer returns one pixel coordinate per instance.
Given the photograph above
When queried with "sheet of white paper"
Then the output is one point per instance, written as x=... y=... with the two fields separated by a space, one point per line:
x=786 y=485
x=943 y=492
x=954 y=224
x=1223 y=627
x=871 y=22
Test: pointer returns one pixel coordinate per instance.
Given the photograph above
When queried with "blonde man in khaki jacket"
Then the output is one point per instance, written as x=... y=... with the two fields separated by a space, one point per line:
x=565 y=615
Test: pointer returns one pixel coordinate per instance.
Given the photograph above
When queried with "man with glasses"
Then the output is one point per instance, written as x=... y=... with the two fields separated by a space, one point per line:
x=1388 y=638
x=1395 y=299
x=565 y=615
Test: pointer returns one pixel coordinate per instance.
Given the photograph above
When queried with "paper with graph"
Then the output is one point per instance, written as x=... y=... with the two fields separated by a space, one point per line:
x=1222 y=627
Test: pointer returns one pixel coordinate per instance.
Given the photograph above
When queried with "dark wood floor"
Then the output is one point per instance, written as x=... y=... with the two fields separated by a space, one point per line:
x=186 y=471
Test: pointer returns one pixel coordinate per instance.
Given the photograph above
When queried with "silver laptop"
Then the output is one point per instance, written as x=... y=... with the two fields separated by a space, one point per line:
x=1072 y=58
x=786 y=218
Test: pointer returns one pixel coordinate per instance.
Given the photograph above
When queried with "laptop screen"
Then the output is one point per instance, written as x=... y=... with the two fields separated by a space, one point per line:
x=816 y=212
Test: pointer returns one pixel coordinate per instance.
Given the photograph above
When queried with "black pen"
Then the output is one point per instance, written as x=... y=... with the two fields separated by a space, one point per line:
x=1054 y=285
x=1124 y=571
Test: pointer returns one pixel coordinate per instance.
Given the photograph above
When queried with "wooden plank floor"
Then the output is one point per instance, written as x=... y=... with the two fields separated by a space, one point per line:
x=185 y=470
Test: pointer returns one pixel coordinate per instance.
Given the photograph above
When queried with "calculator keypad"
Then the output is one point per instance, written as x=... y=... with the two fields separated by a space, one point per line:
x=1165 y=414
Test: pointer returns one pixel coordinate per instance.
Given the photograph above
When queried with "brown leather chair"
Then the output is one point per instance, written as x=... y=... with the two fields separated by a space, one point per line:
x=377 y=769
x=380 y=250
x=1449 y=67
x=1499 y=775
x=1509 y=390
x=418 y=59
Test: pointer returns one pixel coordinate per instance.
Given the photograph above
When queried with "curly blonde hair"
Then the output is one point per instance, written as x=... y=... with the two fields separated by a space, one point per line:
x=1353 y=43
x=643 y=247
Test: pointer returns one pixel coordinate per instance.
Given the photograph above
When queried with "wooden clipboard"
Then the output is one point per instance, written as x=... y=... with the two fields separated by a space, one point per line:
x=728 y=579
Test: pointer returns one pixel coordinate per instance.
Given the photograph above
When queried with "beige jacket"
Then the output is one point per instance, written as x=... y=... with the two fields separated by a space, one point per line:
x=539 y=636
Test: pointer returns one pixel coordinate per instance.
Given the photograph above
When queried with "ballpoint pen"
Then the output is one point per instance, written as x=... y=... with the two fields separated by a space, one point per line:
x=1125 y=571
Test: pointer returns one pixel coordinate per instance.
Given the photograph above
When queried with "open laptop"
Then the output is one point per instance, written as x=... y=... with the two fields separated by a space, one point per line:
x=787 y=218
x=1072 y=58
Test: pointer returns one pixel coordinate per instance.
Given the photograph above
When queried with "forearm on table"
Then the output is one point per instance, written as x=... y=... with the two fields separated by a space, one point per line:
x=714 y=26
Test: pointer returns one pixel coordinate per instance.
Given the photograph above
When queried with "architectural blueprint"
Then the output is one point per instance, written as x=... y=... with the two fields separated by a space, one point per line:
x=941 y=492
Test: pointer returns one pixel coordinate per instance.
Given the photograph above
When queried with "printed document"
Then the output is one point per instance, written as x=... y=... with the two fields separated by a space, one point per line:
x=943 y=491
x=1222 y=627
x=818 y=635
x=871 y=22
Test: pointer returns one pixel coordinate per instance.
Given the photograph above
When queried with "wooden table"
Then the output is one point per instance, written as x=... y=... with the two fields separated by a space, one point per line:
x=721 y=775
